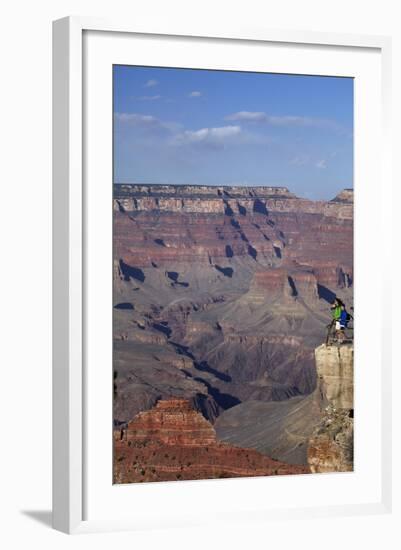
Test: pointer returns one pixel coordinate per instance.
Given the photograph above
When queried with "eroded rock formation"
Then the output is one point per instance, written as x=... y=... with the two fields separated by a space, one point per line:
x=335 y=370
x=331 y=445
x=331 y=448
x=171 y=422
x=173 y=442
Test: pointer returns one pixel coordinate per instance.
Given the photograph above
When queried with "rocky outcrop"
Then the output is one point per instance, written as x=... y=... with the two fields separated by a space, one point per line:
x=335 y=370
x=171 y=422
x=331 y=448
x=284 y=285
x=303 y=283
x=345 y=196
x=172 y=442
x=332 y=275
x=331 y=445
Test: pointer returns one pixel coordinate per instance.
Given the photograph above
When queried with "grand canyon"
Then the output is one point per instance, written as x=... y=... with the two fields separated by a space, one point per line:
x=221 y=304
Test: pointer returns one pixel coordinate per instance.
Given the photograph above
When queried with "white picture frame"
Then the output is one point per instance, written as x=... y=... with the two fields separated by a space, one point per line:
x=70 y=258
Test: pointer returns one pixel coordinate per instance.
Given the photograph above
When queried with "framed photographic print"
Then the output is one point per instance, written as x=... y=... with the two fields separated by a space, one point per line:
x=217 y=324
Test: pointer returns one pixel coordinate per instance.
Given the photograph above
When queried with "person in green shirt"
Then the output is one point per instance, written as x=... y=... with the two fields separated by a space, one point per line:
x=336 y=308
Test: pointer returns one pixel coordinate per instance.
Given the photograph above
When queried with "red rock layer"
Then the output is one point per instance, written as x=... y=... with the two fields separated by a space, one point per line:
x=282 y=284
x=272 y=281
x=331 y=275
x=304 y=284
x=155 y=225
x=171 y=422
x=172 y=442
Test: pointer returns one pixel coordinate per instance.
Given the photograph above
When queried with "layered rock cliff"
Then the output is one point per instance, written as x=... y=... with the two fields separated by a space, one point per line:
x=214 y=199
x=216 y=225
x=171 y=422
x=221 y=295
x=331 y=445
x=172 y=442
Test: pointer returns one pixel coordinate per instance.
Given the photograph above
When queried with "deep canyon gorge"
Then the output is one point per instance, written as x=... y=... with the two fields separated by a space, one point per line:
x=221 y=298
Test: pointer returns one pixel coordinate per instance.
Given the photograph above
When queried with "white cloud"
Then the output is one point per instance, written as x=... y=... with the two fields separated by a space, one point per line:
x=290 y=120
x=285 y=120
x=195 y=94
x=248 y=116
x=304 y=160
x=138 y=120
x=321 y=164
x=215 y=137
x=146 y=122
x=150 y=83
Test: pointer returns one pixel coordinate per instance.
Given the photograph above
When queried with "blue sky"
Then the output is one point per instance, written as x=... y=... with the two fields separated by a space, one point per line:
x=189 y=126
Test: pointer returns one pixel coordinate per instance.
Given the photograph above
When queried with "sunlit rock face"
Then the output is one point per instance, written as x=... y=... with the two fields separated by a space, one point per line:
x=335 y=369
x=332 y=442
x=171 y=422
x=172 y=442
x=270 y=225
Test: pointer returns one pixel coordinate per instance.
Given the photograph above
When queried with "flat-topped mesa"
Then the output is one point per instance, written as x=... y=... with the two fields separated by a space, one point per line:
x=171 y=422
